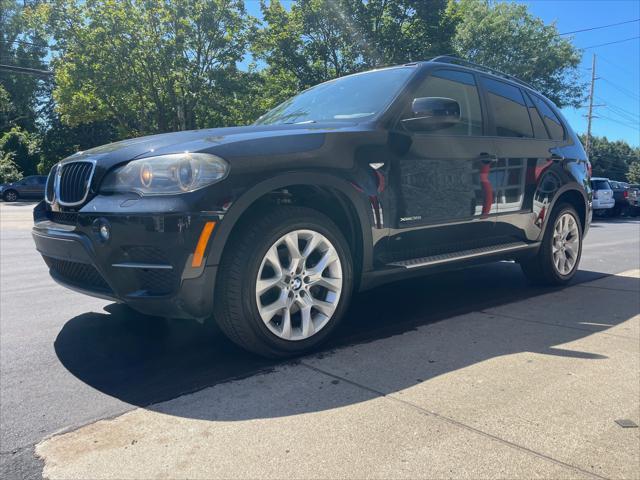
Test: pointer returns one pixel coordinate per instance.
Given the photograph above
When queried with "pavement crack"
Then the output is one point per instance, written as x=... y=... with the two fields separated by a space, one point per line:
x=452 y=421
x=582 y=285
x=511 y=317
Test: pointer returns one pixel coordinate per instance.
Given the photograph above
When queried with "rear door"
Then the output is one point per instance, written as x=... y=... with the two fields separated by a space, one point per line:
x=524 y=148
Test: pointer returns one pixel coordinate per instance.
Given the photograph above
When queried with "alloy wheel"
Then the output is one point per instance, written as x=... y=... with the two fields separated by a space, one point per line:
x=566 y=243
x=299 y=284
x=11 y=196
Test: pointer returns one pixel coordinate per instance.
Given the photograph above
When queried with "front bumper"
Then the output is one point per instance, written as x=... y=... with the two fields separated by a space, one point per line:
x=147 y=262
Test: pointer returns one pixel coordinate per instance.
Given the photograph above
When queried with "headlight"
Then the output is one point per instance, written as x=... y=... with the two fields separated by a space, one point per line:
x=166 y=174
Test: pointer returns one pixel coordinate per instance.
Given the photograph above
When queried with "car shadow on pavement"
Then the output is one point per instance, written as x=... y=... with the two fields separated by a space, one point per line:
x=144 y=360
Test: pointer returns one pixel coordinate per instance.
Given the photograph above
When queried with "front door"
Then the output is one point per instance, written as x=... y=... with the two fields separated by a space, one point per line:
x=444 y=197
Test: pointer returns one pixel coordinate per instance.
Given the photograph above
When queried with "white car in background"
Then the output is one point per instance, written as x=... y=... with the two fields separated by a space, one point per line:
x=602 y=195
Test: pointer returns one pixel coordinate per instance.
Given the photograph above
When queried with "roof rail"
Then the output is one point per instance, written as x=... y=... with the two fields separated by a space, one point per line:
x=459 y=61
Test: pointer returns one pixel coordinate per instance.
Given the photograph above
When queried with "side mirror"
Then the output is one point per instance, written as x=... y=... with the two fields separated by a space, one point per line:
x=432 y=113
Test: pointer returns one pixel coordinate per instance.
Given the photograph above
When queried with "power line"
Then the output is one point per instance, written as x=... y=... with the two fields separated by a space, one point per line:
x=622 y=117
x=610 y=43
x=603 y=26
x=25 y=70
x=618 y=66
x=621 y=123
x=24 y=42
x=616 y=107
x=622 y=89
x=624 y=114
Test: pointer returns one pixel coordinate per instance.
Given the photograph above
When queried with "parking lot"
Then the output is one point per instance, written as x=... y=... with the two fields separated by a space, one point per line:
x=465 y=374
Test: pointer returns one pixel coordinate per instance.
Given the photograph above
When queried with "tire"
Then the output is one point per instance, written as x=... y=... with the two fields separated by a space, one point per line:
x=261 y=247
x=10 y=196
x=542 y=269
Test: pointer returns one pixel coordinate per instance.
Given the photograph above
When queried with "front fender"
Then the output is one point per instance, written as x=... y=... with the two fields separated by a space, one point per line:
x=248 y=198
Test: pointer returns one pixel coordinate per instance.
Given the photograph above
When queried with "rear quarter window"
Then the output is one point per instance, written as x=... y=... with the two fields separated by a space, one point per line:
x=551 y=120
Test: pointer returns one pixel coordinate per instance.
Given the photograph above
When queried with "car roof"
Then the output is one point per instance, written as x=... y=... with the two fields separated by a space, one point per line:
x=600 y=178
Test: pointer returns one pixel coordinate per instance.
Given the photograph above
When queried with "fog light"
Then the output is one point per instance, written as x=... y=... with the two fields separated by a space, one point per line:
x=102 y=229
x=104 y=232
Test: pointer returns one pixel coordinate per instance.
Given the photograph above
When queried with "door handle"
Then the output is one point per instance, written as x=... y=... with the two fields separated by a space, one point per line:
x=556 y=158
x=485 y=157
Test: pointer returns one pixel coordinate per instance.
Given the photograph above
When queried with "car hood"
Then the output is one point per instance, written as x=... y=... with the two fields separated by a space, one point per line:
x=253 y=140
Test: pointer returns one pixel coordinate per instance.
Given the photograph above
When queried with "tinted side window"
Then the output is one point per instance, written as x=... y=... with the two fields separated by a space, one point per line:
x=509 y=110
x=536 y=120
x=461 y=87
x=551 y=120
x=42 y=180
x=31 y=181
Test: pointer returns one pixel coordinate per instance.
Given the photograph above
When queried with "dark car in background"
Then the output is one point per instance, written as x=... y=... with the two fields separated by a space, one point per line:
x=634 y=199
x=31 y=187
x=374 y=177
x=621 y=197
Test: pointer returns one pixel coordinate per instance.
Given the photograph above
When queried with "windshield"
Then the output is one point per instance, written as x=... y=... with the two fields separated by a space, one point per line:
x=356 y=97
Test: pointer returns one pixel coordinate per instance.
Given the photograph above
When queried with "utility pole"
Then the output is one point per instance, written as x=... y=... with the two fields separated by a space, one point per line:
x=590 y=114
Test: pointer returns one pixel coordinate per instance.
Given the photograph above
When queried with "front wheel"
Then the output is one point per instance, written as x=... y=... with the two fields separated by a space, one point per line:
x=285 y=282
x=559 y=255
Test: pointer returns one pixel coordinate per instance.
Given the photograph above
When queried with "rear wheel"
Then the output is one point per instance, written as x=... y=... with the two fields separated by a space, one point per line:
x=285 y=282
x=10 y=196
x=559 y=255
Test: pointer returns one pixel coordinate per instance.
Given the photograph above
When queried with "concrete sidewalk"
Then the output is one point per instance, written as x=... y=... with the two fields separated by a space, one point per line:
x=526 y=390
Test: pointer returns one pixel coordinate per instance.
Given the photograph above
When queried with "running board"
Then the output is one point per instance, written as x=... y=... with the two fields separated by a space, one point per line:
x=462 y=255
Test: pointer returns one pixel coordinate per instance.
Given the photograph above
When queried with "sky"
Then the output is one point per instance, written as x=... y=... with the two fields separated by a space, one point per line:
x=617 y=65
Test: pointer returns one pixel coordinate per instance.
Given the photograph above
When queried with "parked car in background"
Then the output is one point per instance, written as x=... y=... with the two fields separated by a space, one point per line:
x=634 y=199
x=28 y=187
x=603 y=199
x=620 y=196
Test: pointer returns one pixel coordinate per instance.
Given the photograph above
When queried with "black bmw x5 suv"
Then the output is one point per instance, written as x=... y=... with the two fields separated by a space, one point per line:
x=272 y=227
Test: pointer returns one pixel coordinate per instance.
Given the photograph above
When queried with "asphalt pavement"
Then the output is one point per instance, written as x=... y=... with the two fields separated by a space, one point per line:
x=67 y=360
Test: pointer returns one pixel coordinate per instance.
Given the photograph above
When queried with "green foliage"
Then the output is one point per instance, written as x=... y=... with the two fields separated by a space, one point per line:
x=60 y=140
x=134 y=67
x=21 y=147
x=147 y=66
x=318 y=40
x=633 y=175
x=8 y=169
x=22 y=46
x=611 y=159
x=507 y=37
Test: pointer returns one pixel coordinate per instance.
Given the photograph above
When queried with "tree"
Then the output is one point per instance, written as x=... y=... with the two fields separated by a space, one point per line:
x=611 y=159
x=507 y=37
x=146 y=66
x=22 y=148
x=22 y=46
x=60 y=140
x=317 y=40
x=633 y=175
x=8 y=169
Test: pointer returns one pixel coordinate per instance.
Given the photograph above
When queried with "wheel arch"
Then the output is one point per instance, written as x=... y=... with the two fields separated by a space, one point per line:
x=354 y=208
x=578 y=199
